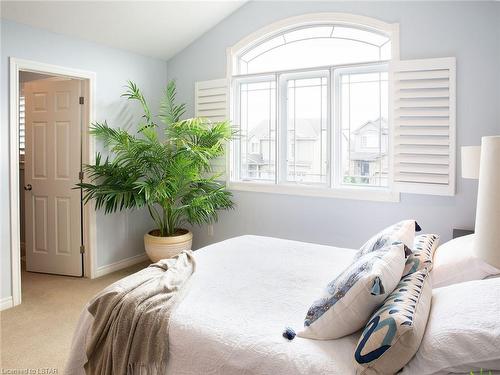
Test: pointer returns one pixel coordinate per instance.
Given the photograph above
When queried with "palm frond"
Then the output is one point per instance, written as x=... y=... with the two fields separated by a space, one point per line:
x=134 y=93
x=170 y=112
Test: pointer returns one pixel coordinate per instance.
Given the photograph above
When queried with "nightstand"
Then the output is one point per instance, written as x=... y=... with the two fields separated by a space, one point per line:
x=461 y=232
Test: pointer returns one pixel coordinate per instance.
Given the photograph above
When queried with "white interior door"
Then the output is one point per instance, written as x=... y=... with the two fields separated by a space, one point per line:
x=52 y=165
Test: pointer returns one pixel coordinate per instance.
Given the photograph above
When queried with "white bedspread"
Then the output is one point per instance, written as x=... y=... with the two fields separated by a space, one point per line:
x=244 y=292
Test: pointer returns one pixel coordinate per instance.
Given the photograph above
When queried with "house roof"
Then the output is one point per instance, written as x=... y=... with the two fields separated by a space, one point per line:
x=373 y=124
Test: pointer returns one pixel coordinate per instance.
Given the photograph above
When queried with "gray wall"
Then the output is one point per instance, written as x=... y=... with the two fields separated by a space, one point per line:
x=469 y=31
x=118 y=236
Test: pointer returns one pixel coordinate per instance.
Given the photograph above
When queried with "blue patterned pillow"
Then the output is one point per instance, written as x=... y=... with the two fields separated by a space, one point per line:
x=403 y=231
x=350 y=298
x=421 y=257
x=394 y=332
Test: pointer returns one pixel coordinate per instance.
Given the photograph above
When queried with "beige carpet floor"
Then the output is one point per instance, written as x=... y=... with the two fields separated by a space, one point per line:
x=37 y=334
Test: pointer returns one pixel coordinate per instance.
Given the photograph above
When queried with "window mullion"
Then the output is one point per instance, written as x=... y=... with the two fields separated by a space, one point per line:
x=277 y=130
x=246 y=125
x=330 y=130
x=237 y=144
x=380 y=126
x=335 y=135
x=282 y=137
x=321 y=130
x=294 y=134
x=277 y=140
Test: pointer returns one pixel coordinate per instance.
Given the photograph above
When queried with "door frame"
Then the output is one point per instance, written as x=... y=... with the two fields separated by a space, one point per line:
x=88 y=152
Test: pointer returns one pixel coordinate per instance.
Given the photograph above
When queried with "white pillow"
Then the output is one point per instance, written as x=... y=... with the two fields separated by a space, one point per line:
x=393 y=334
x=463 y=330
x=455 y=262
x=403 y=231
x=422 y=254
x=348 y=301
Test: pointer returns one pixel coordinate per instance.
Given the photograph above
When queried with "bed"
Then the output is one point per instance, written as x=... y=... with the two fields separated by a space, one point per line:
x=244 y=292
x=247 y=289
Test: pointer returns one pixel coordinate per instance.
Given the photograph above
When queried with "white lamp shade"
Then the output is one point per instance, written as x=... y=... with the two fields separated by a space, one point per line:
x=487 y=239
x=471 y=156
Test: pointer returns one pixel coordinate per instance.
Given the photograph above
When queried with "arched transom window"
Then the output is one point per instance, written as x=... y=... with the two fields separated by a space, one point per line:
x=315 y=45
x=310 y=99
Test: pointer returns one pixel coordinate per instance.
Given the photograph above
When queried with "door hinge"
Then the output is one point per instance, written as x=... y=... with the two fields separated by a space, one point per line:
x=80 y=175
x=82 y=100
x=82 y=249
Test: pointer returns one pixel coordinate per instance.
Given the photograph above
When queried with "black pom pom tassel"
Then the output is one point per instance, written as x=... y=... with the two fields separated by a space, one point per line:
x=289 y=333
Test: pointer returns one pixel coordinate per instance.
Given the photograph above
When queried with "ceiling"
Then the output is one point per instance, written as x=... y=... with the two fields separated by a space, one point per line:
x=151 y=28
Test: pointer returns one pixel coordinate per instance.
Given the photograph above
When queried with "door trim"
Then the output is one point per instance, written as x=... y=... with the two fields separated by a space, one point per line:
x=89 y=215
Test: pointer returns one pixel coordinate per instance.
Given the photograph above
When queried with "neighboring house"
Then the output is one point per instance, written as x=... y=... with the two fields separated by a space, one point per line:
x=368 y=154
x=367 y=162
x=260 y=156
x=303 y=152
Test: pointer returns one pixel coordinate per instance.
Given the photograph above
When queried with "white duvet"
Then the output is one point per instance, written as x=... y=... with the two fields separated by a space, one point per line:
x=244 y=292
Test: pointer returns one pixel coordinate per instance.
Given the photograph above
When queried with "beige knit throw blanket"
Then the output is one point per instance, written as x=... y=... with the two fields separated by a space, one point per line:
x=130 y=332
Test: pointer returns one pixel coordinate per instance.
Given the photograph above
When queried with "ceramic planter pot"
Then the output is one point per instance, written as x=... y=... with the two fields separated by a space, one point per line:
x=159 y=248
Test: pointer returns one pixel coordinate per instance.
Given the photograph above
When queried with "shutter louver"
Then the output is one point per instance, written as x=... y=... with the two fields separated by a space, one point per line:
x=211 y=100
x=212 y=103
x=423 y=117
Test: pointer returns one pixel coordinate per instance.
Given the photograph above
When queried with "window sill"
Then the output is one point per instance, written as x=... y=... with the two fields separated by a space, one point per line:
x=356 y=193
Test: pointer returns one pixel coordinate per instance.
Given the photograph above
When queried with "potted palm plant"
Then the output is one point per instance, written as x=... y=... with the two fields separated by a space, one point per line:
x=170 y=174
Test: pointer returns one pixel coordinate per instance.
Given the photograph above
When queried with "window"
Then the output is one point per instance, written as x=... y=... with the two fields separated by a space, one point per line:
x=362 y=94
x=304 y=127
x=311 y=104
x=314 y=45
x=311 y=98
x=256 y=147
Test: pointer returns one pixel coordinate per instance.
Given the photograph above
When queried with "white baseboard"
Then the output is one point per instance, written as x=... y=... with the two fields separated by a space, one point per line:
x=121 y=264
x=6 y=303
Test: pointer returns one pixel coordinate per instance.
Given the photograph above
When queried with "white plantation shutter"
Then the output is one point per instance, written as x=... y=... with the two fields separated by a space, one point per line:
x=212 y=103
x=423 y=116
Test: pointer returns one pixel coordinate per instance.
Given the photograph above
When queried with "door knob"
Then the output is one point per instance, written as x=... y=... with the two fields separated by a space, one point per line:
x=28 y=187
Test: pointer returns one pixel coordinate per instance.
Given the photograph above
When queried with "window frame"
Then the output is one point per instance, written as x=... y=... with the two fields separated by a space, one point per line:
x=381 y=66
x=282 y=141
x=235 y=113
x=332 y=188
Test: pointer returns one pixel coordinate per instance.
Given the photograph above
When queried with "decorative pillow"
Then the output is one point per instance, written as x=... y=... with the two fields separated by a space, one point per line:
x=403 y=231
x=394 y=332
x=422 y=253
x=455 y=262
x=351 y=298
x=463 y=332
